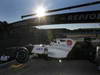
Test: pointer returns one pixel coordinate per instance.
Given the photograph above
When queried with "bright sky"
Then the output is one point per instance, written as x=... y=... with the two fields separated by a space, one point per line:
x=12 y=10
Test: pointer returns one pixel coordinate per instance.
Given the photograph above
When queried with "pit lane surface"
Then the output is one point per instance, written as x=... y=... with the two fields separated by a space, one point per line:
x=53 y=67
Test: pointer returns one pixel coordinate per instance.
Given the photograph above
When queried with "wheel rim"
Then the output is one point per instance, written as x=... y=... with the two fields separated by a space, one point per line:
x=21 y=55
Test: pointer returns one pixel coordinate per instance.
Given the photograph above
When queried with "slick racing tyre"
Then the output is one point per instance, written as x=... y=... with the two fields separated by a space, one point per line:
x=22 y=55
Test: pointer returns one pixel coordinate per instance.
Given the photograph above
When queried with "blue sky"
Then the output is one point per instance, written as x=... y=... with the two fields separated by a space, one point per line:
x=12 y=10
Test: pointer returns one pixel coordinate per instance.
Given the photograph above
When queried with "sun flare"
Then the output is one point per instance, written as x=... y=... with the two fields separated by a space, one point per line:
x=40 y=12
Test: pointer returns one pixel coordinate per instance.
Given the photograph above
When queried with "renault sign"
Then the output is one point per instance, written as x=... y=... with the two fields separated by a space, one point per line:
x=76 y=17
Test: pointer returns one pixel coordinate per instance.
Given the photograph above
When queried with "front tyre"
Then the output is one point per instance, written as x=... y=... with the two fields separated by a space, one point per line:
x=22 y=55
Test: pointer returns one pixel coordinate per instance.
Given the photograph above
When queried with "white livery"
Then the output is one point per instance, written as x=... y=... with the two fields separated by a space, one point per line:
x=58 y=48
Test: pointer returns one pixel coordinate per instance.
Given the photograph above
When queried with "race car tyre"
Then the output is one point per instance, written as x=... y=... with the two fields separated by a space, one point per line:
x=22 y=56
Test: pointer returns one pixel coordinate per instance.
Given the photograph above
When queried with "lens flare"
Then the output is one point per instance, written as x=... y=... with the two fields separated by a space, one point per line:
x=40 y=12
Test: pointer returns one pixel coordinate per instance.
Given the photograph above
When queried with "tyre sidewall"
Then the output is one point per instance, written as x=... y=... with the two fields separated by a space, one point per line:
x=24 y=53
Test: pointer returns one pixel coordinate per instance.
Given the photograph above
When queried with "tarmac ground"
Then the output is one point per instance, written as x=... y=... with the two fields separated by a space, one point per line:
x=51 y=67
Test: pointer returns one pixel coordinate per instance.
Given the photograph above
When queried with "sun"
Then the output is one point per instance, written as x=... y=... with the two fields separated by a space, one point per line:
x=40 y=12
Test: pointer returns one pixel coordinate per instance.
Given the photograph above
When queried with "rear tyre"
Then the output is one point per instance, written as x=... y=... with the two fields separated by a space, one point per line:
x=22 y=56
